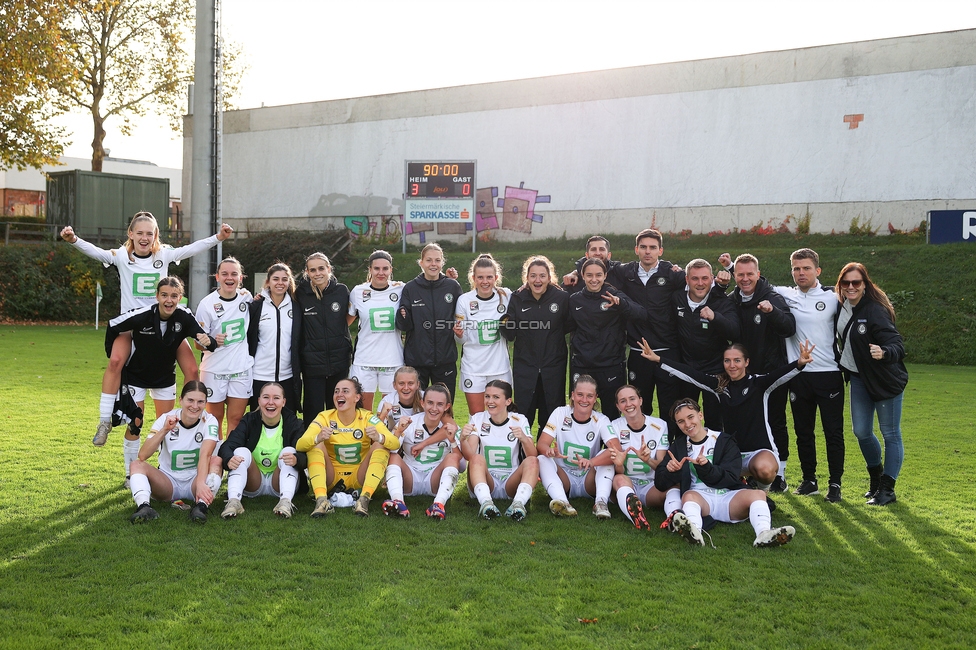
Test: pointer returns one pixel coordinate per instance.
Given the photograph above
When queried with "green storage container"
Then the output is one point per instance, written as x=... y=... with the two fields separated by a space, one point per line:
x=99 y=206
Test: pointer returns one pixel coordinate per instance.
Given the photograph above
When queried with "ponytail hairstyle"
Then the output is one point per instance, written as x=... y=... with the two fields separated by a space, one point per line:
x=320 y=256
x=281 y=266
x=872 y=291
x=585 y=379
x=485 y=261
x=506 y=390
x=139 y=217
x=432 y=246
x=192 y=386
x=442 y=388
x=358 y=387
x=724 y=379
x=591 y=261
x=418 y=403
x=171 y=281
x=376 y=255
x=684 y=402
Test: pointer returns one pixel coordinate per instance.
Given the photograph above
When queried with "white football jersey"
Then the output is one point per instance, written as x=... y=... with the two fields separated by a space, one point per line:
x=497 y=443
x=709 y=446
x=217 y=315
x=653 y=435
x=484 y=351
x=397 y=410
x=140 y=275
x=415 y=433
x=179 y=452
x=578 y=439
x=378 y=343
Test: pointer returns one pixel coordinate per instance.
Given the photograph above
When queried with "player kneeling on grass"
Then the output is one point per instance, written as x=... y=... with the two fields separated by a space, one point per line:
x=348 y=450
x=707 y=471
x=578 y=432
x=260 y=455
x=427 y=456
x=186 y=439
x=502 y=458
x=644 y=441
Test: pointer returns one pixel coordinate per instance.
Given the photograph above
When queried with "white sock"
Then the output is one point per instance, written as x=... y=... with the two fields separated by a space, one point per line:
x=394 y=482
x=759 y=516
x=482 y=493
x=672 y=500
x=105 y=404
x=213 y=482
x=287 y=477
x=782 y=469
x=604 y=482
x=130 y=452
x=622 y=493
x=550 y=479
x=693 y=510
x=237 y=478
x=139 y=485
x=763 y=486
x=449 y=479
x=523 y=493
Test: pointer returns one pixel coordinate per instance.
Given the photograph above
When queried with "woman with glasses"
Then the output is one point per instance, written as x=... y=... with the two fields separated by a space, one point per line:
x=872 y=353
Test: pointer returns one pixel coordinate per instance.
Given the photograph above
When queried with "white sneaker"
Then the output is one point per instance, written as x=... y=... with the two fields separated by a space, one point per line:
x=600 y=510
x=562 y=508
x=232 y=509
x=101 y=434
x=683 y=526
x=284 y=509
x=774 y=537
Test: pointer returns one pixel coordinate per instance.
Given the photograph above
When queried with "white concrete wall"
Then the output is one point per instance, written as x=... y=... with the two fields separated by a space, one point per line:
x=709 y=153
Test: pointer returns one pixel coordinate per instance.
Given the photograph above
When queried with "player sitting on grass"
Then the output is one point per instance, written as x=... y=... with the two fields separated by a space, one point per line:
x=183 y=437
x=427 y=457
x=706 y=466
x=502 y=458
x=260 y=455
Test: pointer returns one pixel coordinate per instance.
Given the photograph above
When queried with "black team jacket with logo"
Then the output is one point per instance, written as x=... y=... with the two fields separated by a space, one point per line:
x=538 y=328
x=320 y=341
x=702 y=342
x=426 y=317
x=599 y=331
x=658 y=328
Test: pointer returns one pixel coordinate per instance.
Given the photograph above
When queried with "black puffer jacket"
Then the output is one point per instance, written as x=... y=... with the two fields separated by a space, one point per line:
x=426 y=317
x=320 y=341
x=764 y=335
x=870 y=323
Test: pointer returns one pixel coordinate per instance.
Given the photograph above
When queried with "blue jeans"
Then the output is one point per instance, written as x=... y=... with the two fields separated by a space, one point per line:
x=863 y=409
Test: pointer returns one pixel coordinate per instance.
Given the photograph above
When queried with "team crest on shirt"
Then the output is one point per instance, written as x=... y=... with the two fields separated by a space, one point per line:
x=652 y=444
x=661 y=281
x=710 y=451
x=289 y=313
x=604 y=306
x=624 y=435
x=567 y=423
x=473 y=307
x=393 y=297
x=500 y=308
x=590 y=436
x=448 y=298
x=218 y=308
x=745 y=391
x=209 y=392
x=681 y=312
x=757 y=319
x=358 y=434
x=177 y=327
x=632 y=375
x=861 y=329
x=792 y=396
x=485 y=428
x=418 y=435
x=468 y=383
x=243 y=307
x=554 y=308
x=125 y=389
x=821 y=305
x=266 y=462
x=511 y=436
x=367 y=294
x=158 y=264
x=335 y=306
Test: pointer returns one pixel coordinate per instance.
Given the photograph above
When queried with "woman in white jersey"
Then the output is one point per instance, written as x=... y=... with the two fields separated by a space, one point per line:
x=269 y=335
x=185 y=439
x=428 y=456
x=502 y=457
x=224 y=315
x=405 y=400
x=379 y=350
x=568 y=445
x=484 y=353
x=260 y=455
x=644 y=443
x=141 y=262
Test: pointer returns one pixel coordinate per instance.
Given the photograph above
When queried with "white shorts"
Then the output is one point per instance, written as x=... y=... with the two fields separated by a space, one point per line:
x=266 y=489
x=747 y=457
x=372 y=377
x=220 y=387
x=718 y=505
x=476 y=383
x=182 y=490
x=421 y=482
x=577 y=485
x=499 y=478
x=162 y=394
x=642 y=487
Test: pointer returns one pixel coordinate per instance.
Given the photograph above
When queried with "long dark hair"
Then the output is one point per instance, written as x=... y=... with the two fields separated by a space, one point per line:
x=357 y=386
x=872 y=291
x=724 y=379
x=506 y=390
x=191 y=386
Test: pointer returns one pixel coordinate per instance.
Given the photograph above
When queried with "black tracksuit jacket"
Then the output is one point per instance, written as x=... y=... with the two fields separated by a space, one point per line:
x=426 y=317
x=658 y=327
x=538 y=329
x=764 y=335
x=320 y=341
x=701 y=341
x=883 y=378
x=600 y=332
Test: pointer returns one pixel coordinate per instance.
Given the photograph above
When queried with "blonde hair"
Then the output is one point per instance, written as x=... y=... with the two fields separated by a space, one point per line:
x=539 y=260
x=417 y=404
x=431 y=247
x=325 y=258
x=485 y=261
x=143 y=216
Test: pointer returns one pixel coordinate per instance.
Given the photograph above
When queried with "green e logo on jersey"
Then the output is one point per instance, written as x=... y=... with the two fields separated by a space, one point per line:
x=498 y=457
x=182 y=459
x=571 y=451
x=381 y=319
x=431 y=454
x=233 y=330
x=144 y=284
x=348 y=454
x=634 y=465
x=487 y=331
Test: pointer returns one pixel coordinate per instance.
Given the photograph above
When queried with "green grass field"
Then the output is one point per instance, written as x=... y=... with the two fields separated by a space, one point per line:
x=76 y=574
